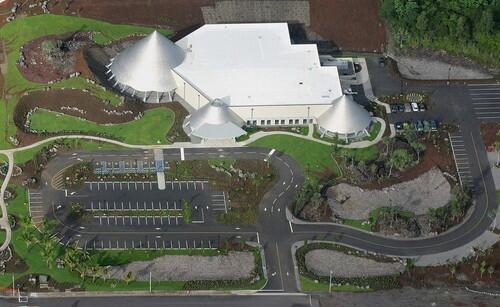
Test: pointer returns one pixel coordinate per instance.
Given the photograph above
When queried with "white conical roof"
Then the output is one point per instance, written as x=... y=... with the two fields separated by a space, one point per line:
x=215 y=121
x=146 y=65
x=344 y=116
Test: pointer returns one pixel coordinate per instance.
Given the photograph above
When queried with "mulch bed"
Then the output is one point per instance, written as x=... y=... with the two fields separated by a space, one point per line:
x=351 y=25
x=440 y=275
x=431 y=158
x=489 y=133
x=39 y=69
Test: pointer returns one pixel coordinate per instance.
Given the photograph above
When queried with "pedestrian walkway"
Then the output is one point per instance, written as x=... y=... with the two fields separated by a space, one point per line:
x=461 y=157
x=36 y=206
x=485 y=101
x=361 y=144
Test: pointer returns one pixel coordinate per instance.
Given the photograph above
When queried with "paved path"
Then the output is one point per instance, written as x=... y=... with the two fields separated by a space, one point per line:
x=4 y=220
x=361 y=144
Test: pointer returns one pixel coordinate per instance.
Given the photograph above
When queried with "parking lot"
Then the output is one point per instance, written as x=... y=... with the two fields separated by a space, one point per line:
x=121 y=206
x=416 y=116
x=485 y=101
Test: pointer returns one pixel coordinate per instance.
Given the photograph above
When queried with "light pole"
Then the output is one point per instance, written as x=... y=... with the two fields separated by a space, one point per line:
x=330 y=284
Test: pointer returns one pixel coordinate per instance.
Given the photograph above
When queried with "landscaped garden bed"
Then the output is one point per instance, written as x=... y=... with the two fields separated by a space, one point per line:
x=358 y=283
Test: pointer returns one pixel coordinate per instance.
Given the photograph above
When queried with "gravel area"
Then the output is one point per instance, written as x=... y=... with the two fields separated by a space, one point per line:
x=322 y=261
x=430 y=190
x=235 y=265
x=425 y=69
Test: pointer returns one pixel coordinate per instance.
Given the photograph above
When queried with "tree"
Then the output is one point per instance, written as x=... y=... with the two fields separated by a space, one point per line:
x=400 y=159
x=388 y=142
x=482 y=268
x=48 y=252
x=128 y=278
x=491 y=270
x=475 y=266
x=497 y=149
x=28 y=237
x=453 y=270
x=486 y=23
x=418 y=148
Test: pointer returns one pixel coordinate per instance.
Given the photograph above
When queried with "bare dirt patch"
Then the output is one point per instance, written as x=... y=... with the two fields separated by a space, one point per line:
x=233 y=266
x=322 y=261
x=55 y=57
x=489 y=133
x=351 y=25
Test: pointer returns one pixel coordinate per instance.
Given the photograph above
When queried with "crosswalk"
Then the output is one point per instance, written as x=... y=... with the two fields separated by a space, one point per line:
x=485 y=101
x=462 y=161
x=36 y=207
x=219 y=202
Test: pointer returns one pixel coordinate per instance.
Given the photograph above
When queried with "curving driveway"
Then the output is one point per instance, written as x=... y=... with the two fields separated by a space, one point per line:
x=277 y=231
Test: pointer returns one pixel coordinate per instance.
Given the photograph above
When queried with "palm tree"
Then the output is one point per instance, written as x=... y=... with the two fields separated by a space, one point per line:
x=418 y=148
x=491 y=270
x=482 y=269
x=71 y=256
x=128 y=278
x=48 y=253
x=28 y=237
x=475 y=266
x=453 y=270
x=497 y=149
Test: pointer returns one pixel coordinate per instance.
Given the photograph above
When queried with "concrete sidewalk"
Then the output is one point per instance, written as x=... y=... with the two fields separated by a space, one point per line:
x=361 y=144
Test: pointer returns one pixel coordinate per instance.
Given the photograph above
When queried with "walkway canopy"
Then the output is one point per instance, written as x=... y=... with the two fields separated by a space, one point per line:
x=214 y=121
x=345 y=118
x=147 y=65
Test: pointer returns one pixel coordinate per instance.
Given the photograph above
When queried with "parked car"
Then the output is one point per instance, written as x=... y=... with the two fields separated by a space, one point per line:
x=422 y=107
x=407 y=107
x=419 y=126
x=401 y=107
x=394 y=108
x=427 y=125
x=398 y=126
x=414 y=107
x=434 y=125
x=381 y=61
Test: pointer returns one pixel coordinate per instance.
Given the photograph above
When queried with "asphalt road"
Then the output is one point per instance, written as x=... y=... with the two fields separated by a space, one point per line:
x=162 y=301
x=277 y=234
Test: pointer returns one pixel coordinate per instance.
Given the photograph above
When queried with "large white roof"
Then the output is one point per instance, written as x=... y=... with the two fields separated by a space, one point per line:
x=146 y=65
x=345 y=116
x=256 y=64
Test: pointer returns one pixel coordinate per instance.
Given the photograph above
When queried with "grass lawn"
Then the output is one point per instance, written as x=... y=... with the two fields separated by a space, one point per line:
x=24 y=29
x=313 y=157
x=151 y=129
x=310 y=285
x=361 y=224
x=374 y=131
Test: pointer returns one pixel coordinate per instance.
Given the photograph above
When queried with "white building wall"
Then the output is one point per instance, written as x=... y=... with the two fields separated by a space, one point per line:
x=280 y=115
x=255 y=115
x=189 y=93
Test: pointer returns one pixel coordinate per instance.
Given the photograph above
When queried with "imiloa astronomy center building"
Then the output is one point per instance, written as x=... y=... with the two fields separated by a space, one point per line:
x=236 y=75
